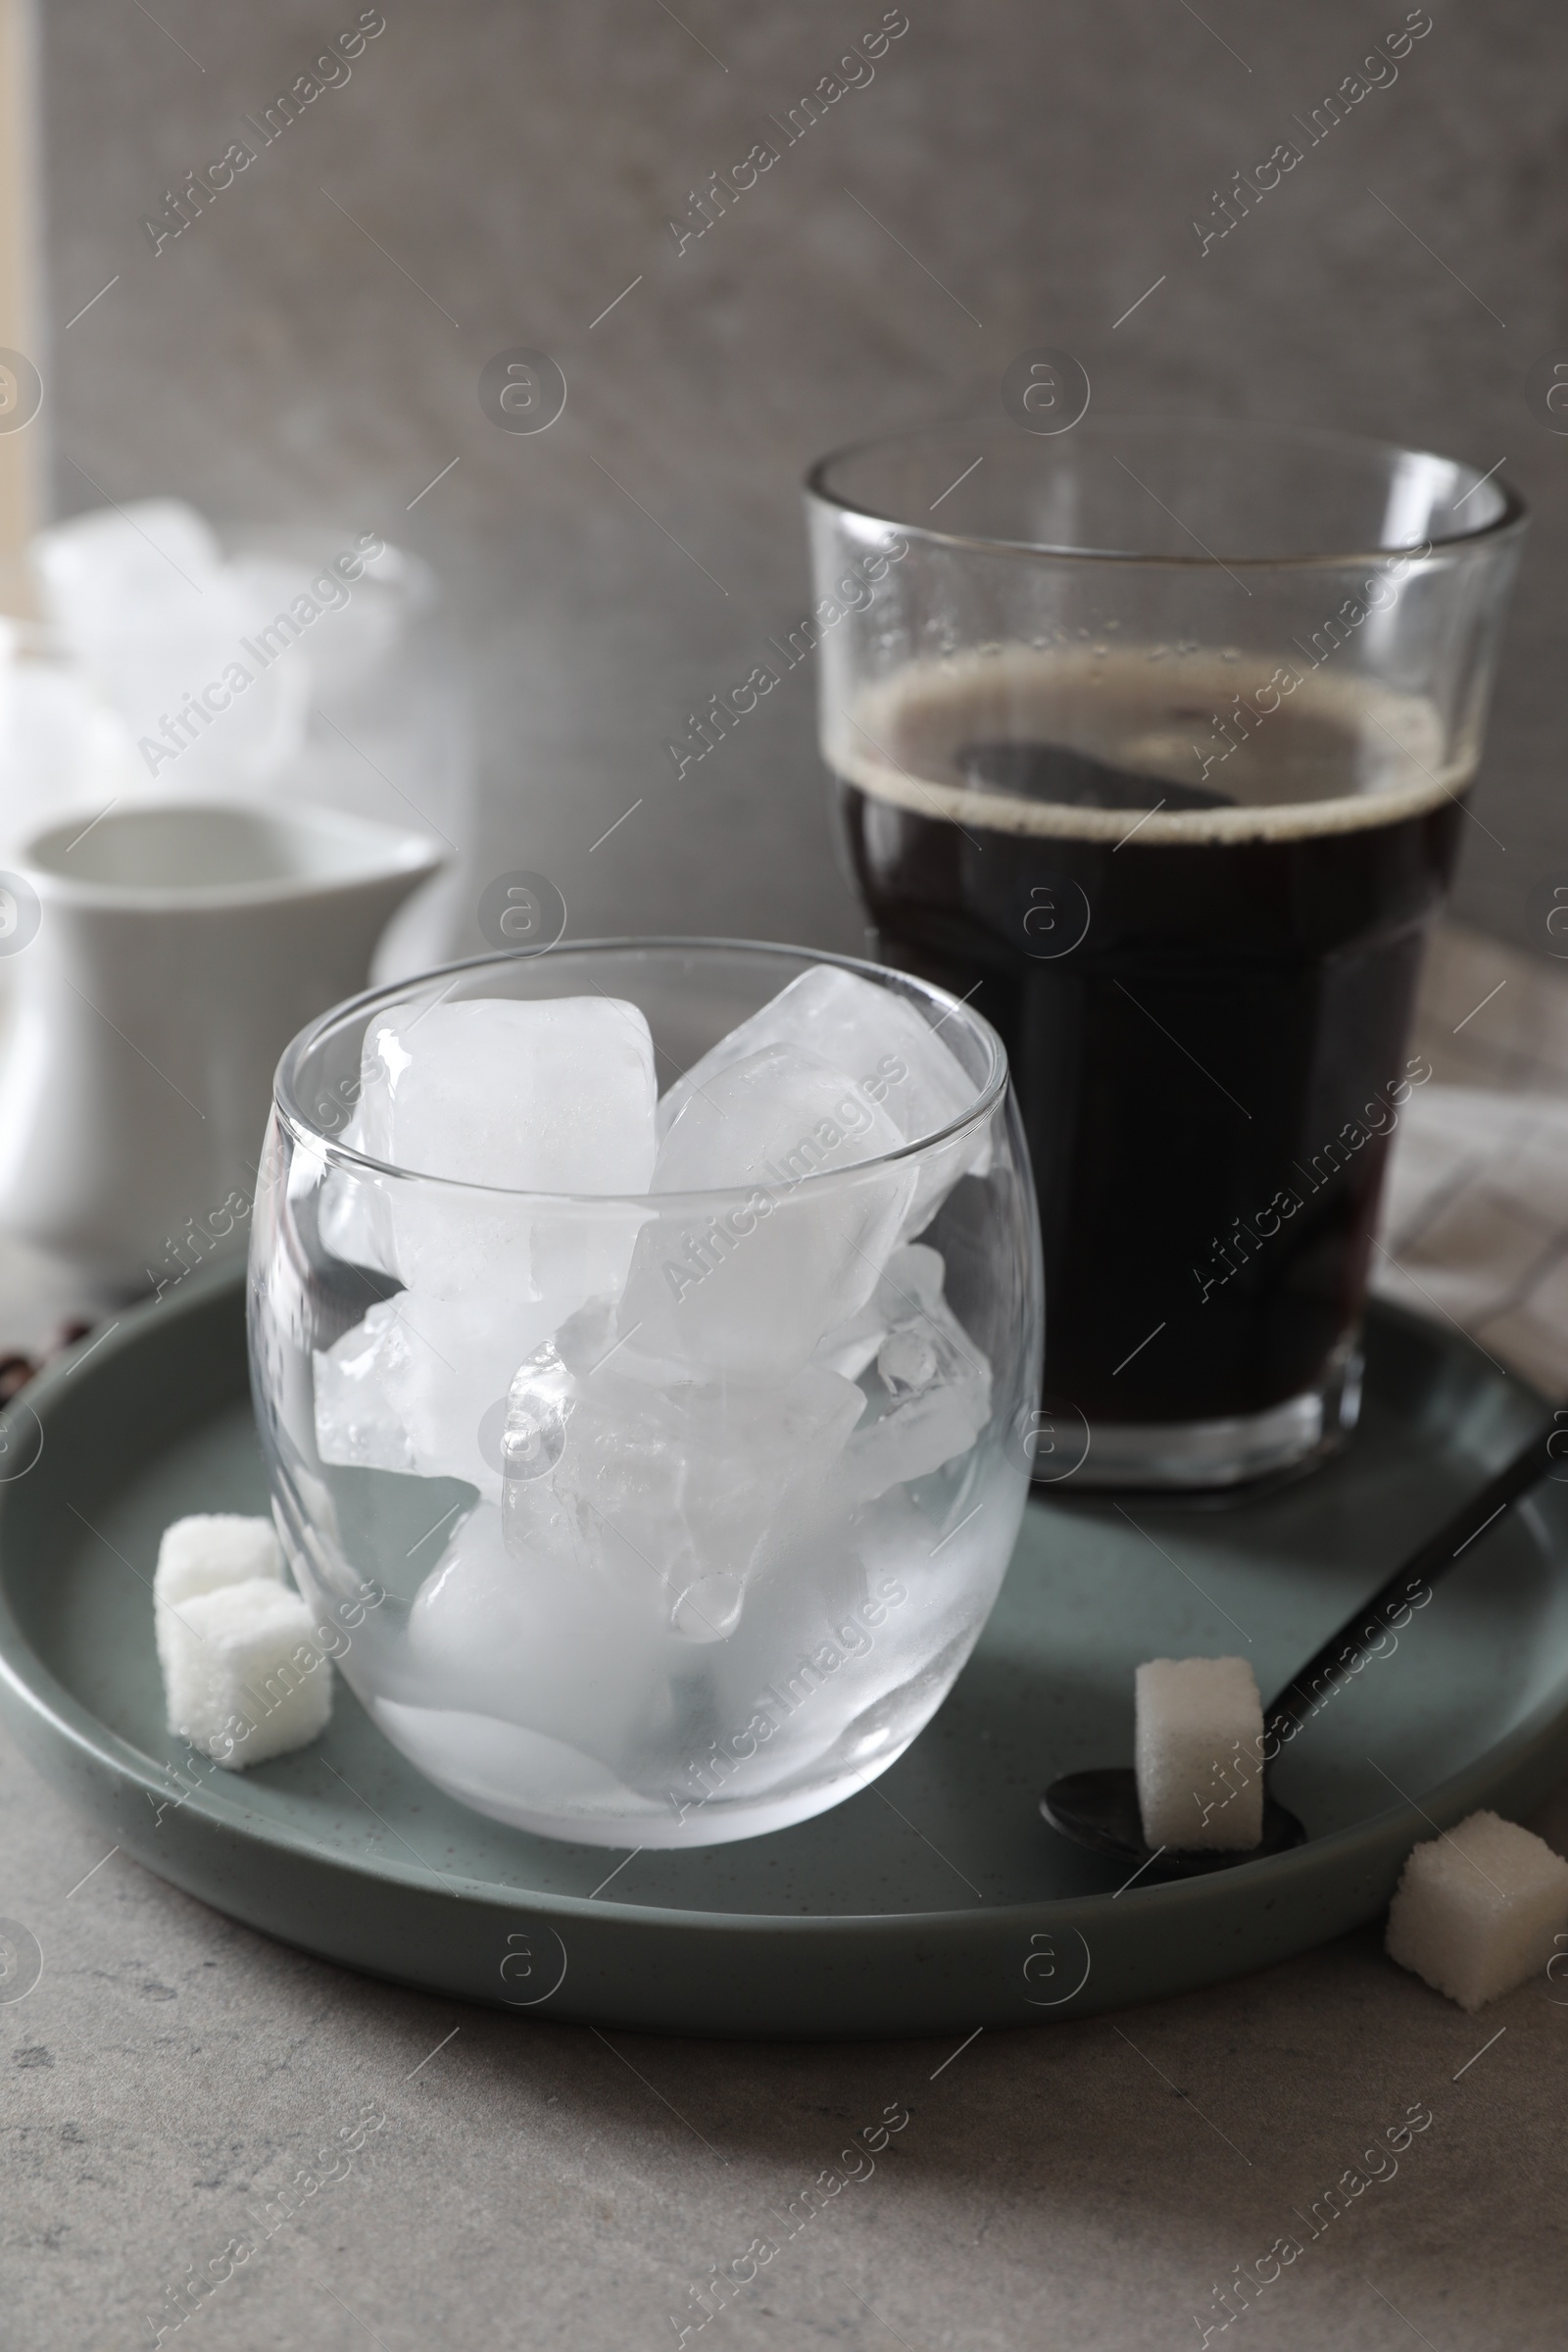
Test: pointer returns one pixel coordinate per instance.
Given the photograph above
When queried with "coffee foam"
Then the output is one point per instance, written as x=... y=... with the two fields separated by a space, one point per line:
x=1335 y=755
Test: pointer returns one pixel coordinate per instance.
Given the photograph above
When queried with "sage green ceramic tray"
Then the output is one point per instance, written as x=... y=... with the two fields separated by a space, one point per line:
x=935 y=1900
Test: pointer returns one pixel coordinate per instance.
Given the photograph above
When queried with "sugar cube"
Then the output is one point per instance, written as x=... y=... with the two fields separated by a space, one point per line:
x=1477 y=1910
x=1199 y=1748
x=212 y=1548
x=243 y=1672
x=202 y=1554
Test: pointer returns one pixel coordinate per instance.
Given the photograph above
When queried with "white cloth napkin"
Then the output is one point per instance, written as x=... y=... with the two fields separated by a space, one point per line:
x=1475 y=1224
x=1475 y=1219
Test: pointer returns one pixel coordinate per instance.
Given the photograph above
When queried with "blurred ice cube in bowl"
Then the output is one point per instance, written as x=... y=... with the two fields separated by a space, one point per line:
x=688 y=1473
x=305 y=663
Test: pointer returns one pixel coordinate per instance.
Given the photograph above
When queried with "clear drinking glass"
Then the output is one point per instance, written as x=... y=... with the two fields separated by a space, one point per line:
x=688 y=1507
x=1153 y=741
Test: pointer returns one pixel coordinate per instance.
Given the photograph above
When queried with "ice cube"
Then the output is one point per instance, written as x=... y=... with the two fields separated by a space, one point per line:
x=849 y=1350
x=410 y=1386
x=354 y=1209
x=502 y=1768
x=103 y=572
x=533 y=1641
x=778 y=1115
x=355 y=637
x=549 y=1097
x=360 y=1419
x=906 y=1363
x=143 y=599
x=931 y=1394
x=751 y=1288
x=912 y=1440
x=670 y=1486
x=849 y=1346
x=881 y=1041
x=909 y=1289
x=61 y=747
x=554 y=1097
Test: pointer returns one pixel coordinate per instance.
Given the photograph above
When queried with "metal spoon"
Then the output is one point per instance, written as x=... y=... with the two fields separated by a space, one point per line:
x=1100 y=1809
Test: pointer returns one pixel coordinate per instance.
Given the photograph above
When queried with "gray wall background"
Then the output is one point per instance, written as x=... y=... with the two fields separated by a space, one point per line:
x=518 y=161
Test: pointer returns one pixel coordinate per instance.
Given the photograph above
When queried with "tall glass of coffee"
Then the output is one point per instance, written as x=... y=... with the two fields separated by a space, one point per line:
x=1155 y=740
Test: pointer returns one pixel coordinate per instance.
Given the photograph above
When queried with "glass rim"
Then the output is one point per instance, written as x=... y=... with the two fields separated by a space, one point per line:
x=336 y=1154
x=1513 y=518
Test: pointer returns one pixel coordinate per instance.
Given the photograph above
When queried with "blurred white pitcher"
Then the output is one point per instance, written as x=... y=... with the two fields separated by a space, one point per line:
x=161 y=958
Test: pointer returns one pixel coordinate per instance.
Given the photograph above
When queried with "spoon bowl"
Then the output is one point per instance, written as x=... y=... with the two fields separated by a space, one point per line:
x=1100 y=1809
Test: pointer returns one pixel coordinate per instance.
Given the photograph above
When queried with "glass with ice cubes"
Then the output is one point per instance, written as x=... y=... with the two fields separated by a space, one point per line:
x=658 y=1325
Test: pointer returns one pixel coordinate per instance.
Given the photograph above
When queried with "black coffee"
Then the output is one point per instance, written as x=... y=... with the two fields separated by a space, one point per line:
x=1205 y=1007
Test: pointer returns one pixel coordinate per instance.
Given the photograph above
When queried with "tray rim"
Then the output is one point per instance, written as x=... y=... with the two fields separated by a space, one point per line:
x=30 y=1692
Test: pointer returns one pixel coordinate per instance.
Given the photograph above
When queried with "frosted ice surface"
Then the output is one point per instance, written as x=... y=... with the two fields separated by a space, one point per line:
x=777 y=1115
x=750 y=1286
x=860 y=1028
x=144 y=599
x=546 y=1097
x=851 y=1345
x=531 y=1640
x=932 y=1392
x=907 y=1362
x=671 y=1485
x=849 y=1352
x=61 y=744
x=354 y=1209
x=358 y=1421
x=556 y=1097
x=884 y=1044
x=695 y=1487
x=408 y=1386
x=357 y=629
x=487 y=1763
x=909 y=1286
x=117 y=567
x=916 y=1436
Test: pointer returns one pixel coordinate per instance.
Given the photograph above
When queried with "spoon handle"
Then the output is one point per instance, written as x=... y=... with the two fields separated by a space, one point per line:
x=1410 y=1586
